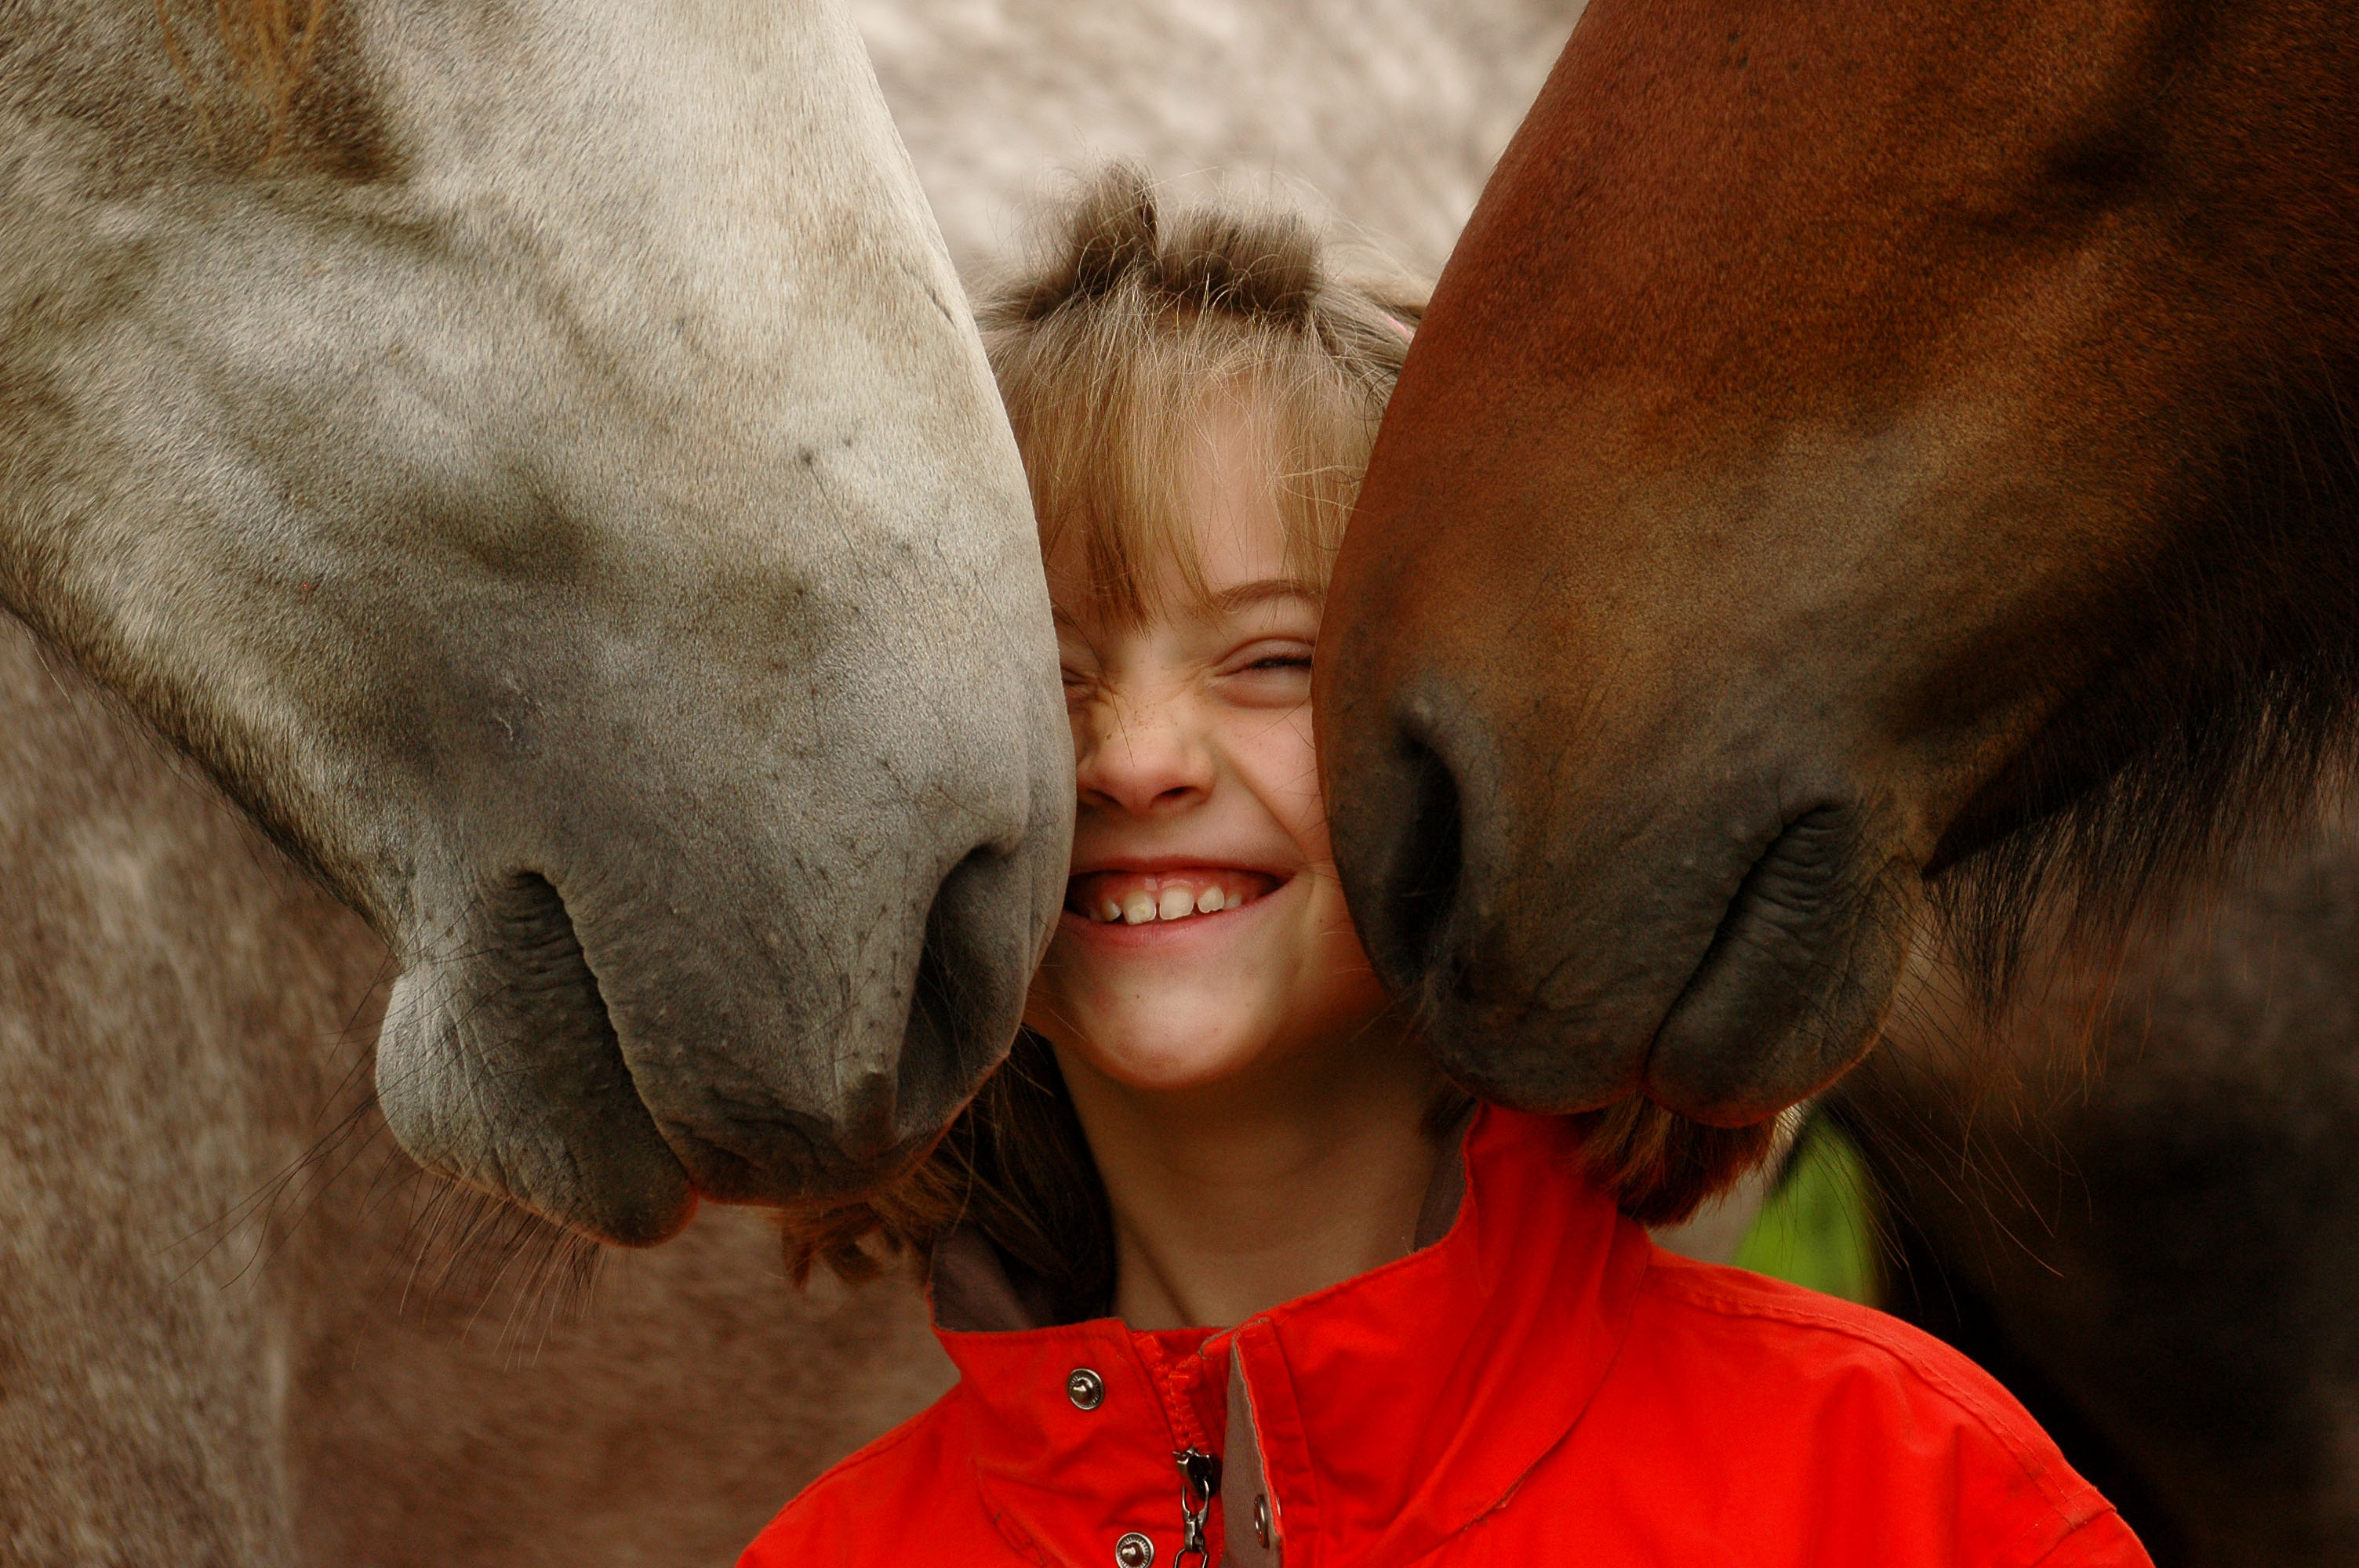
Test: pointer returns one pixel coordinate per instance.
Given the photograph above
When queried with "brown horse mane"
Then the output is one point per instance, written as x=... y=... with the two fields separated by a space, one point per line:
x=2213 y=738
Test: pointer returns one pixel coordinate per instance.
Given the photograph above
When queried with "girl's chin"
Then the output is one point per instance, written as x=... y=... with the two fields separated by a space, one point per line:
x=1160 y=1032
x=1173 y=1038
x=1163 y=1061
x=1173 y=1071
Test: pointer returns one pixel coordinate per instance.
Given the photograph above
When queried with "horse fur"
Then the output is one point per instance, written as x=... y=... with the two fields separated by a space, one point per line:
x=238 y=1326
x=2131 y=1194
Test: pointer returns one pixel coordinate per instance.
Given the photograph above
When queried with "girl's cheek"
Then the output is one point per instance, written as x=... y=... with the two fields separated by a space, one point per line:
x=1283 y=762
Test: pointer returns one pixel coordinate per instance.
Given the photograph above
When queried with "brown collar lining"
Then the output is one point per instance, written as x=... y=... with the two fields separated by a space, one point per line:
x=974 y=1291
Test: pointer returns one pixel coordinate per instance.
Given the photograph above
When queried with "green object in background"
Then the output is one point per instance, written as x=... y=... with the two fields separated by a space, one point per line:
x=1818 y=1230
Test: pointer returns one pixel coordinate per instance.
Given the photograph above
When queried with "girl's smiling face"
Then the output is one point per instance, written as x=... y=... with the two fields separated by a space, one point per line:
x=1204 y=932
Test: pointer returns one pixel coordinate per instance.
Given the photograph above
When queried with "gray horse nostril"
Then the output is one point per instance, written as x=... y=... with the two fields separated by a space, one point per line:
x=962 y=1011
x=864 y=1121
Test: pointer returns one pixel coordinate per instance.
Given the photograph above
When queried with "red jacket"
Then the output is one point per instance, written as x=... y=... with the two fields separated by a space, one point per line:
x=1540 y=1385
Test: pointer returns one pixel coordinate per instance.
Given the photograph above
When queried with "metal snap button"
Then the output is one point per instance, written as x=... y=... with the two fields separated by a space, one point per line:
x=1261 y=1517
x=1133 y=1551
x=1087 y=1390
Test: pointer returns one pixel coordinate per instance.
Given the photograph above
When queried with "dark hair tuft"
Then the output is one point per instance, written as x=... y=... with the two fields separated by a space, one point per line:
x=1253 y=267
x=1256 y=266
x=1114 y=235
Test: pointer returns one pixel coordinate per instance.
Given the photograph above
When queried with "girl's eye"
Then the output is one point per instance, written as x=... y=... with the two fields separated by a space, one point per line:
x=1270 y=656
x=1272 y=672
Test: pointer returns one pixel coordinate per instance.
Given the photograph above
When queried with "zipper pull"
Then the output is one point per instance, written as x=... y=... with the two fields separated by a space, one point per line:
x=1199 y=1479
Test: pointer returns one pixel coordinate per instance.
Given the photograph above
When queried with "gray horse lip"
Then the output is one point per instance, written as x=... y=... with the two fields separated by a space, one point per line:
x=722 y=1173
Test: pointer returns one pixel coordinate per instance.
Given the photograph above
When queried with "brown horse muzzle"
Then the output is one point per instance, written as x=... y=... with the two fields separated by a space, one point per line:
x=1724 y=957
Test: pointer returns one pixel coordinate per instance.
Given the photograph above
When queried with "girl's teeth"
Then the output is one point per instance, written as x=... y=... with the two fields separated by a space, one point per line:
x=1117 y=897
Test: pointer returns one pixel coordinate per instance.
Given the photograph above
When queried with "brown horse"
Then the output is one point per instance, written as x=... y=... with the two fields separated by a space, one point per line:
x=1862 y=458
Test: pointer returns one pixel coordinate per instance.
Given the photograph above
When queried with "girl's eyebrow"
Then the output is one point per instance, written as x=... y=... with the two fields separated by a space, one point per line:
x=1245 y=595
x=1228 y=601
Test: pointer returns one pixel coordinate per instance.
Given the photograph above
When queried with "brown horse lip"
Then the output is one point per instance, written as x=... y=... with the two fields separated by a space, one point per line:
x=1775 y=1008
x=1756 y=896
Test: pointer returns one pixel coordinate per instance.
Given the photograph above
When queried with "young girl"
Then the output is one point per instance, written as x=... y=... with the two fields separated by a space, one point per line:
x=1230 y=1276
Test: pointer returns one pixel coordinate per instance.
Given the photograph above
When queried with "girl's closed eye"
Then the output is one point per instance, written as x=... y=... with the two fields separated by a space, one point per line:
x=1269 y=673
x=1281 y=661
x=1078 y=665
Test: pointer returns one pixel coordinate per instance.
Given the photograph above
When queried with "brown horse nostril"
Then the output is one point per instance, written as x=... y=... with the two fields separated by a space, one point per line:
x=1424 y=884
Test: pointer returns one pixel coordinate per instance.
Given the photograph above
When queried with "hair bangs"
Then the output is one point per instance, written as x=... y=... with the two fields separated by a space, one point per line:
x=1125 y=358
x=1118 y=457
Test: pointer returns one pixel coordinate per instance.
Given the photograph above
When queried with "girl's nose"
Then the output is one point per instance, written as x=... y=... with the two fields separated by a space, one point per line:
x=1144 y=758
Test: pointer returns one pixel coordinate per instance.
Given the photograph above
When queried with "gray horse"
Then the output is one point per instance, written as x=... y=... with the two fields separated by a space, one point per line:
x=536 y=461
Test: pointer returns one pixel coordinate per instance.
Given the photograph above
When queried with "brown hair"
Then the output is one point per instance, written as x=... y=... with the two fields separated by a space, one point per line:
x=1114 y=355
x=1119 y=352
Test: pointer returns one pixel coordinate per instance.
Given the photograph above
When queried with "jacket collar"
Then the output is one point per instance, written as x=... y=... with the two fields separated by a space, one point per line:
x=1382 y=1414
